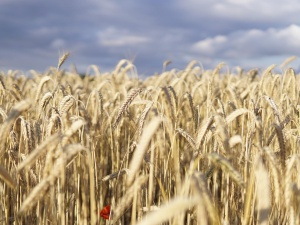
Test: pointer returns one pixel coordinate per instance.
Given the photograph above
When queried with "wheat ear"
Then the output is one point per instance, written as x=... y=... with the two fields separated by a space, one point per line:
x=187 y=136
x=125 y=105
x=282 y=125
x=44 y=102
x=281 y=142
x=119 y=65
x=174 y=98
x=165 y=64
x=3 y=114
x=204 y=129
x=55 y=119
x=223 y=132
x=171 y=101
x=274 y=107
x=143 y=116
x=191 y=103
x=6 y=126
x=2 y=85
x=40 y=86
x=238 y=113
x=18 y=92
x=27 y=134
x=62 y=59
x=287 y=61
x=65 y=104
x=115 y=174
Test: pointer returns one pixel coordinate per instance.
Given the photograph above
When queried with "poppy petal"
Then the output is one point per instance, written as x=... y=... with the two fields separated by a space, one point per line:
x=105 y=212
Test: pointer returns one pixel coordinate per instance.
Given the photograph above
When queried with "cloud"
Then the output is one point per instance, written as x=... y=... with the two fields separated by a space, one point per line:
x=244 y=10
x=112 y=37
x=58 y=43
x=251 y=43
x=150 y=32
x=210 y=46
x=220 y=17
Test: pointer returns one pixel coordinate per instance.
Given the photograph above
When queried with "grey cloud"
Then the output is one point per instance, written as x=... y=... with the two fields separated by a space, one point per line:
x=33 y=32
x=251 y=43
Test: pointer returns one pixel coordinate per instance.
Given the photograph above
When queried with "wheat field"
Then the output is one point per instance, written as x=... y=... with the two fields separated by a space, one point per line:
x=189 y=146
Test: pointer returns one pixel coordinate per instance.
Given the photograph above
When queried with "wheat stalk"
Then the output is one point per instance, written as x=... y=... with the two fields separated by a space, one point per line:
x=74 y=128
x=199 y=184
x=227 y=167
x=263 y=196
x=39 y=191
x=30 y=159
x=127 y=199
x=274 y=171
x=141 y=148
x=5 y=176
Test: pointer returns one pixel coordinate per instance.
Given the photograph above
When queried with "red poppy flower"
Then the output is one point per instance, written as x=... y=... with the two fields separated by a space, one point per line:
x=105 y=212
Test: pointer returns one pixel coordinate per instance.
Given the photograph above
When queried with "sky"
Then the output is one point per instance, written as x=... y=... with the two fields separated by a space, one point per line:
x=244 y=33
